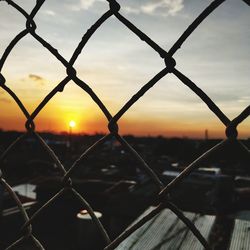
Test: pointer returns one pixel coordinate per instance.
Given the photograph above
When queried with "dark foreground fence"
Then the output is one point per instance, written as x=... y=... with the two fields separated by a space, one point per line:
x=71 y=74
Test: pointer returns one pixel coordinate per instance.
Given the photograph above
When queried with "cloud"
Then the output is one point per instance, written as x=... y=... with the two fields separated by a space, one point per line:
x=37 y=79
x=150 y=7
x=131 y=10
x=170 y=7
x=244 y=99
x=157 y=7
x=49 y=12
x=86 y=4
x=83 y=4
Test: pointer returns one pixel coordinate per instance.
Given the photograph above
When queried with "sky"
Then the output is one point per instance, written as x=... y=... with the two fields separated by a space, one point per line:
x=115 y=63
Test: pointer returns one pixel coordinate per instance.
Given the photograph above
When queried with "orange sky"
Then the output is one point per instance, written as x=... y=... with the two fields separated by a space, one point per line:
x=56 y=115
x=149 y=116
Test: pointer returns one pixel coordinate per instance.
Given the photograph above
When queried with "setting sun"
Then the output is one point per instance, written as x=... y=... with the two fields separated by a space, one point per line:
x=72 y=124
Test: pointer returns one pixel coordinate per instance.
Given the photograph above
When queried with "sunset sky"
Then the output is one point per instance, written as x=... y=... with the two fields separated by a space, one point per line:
x=116 y=63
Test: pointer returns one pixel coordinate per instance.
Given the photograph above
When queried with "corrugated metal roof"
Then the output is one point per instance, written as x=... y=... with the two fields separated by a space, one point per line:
x=166 y=231
x=241 y=235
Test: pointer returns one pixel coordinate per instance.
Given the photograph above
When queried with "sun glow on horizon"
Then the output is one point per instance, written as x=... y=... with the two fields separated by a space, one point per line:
x=72 y=124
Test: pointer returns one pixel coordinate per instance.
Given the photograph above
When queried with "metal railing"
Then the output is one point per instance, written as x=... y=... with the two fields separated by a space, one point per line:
x=71 y=74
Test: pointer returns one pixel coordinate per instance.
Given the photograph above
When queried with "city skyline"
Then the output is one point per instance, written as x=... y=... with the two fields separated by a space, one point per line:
x=116 y=64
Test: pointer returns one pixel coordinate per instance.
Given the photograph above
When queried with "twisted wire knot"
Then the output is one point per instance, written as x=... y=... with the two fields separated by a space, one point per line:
x=231 y=131
x=66 y=182
x=71 y=72
x=30 y=25
x=114 y=6
x=169 y=62
x=30 y=125
x=113 y=127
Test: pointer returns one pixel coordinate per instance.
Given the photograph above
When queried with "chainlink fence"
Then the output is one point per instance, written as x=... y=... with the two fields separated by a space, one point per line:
x=71 y=74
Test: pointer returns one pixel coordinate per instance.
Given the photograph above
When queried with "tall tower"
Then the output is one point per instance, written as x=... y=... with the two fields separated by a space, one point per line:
x=206 y=134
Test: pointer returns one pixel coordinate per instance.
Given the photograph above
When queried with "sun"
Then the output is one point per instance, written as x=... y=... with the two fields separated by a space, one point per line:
x=72 y=124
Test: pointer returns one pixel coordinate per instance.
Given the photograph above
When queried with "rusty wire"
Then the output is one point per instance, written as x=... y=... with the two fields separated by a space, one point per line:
x=71 y=74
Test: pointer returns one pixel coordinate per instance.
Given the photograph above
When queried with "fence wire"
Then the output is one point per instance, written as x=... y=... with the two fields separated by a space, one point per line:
x=71 y=74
